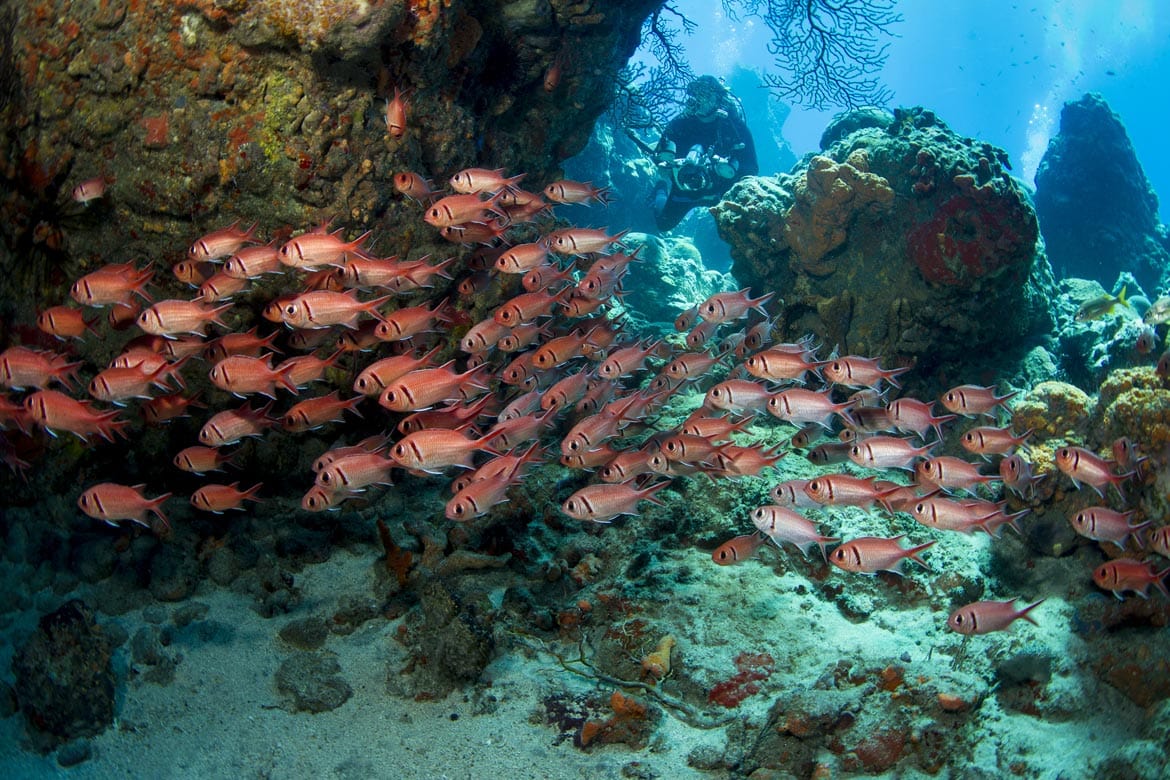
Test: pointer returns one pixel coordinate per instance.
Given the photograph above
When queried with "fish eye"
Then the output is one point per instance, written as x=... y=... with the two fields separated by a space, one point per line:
x=85 y=499
x=290 y=309
x=855 y=450
x=959 y=619
x=968 y=437
x=457 y=509
x=839 y=553
x=920 y=508
x=434 y=212
x=814 y=486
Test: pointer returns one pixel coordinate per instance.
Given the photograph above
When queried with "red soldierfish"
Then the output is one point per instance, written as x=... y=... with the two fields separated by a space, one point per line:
x=568 y=191
x=324 y=308
x=738 y=396
x=111 y=284
x=252 y=261
x=311 y=251
x=1122 y=574
x=798 y=406
x=433 y=449
x=64 y=322
x=602 y=503
x=55 y=411
x=780 y=364
x=173 y=317
x=987 y=440
x=781 y=524
x=525 y=307
x=457 y=209
x=737 y=549
x=844 y=490
x=522 y=258
x=396 y=109
x=856 y=371
x=353 y=472
x=476 y=180
x=111 y=503
x=1102 y=524
x=910 y=415
x=887 y=452
x=1089 y=468
x=21 y=368
x=378 y=375
x=414 y=186
x=728 y=306
x=220 y=498
x=222 y=243
x=200 y=460
x=313 y=413
x=983 y=617
x=974 y=400
x=404 y=323
x=946 y=471
x=89 y=190
x=871 y=554
x=581 y=241
x=231 y=425
x=478 y=497
x=423 y=388
x=1016 y=474
x=243 y=375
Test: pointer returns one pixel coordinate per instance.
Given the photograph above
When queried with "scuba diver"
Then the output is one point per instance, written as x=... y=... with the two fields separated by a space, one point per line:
x=702 y=152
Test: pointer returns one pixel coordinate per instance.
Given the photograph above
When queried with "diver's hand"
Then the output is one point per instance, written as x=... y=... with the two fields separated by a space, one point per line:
x=723 y=167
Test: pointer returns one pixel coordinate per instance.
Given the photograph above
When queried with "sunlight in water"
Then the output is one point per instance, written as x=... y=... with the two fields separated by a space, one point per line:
x=1040 y=126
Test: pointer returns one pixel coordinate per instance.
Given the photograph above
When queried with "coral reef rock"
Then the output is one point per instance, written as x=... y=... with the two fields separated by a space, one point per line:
x=1097 y=211
x=65 y=678
x=668 y=276
x=902 y=239
x=201 y=113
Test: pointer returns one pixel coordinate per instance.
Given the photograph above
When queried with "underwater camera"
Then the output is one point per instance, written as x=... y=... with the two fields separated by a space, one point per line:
x=693 y=175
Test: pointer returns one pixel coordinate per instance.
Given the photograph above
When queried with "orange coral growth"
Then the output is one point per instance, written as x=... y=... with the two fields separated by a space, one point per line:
x=158 y=131
x=656 y=665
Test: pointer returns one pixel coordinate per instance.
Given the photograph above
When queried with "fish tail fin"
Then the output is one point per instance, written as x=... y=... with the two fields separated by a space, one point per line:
x=283 y=379
x=913 y=553
x=1023 y=613
x=1160 y=581
x=155 y=506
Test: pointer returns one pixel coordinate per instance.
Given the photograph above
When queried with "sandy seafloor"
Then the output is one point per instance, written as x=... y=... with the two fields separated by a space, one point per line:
x=221 y=716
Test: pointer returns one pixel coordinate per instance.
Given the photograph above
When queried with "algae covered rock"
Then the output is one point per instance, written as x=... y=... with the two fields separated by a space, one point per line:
x=901 y=239
x=275 y=112
x=667 y=277
x=65 y=678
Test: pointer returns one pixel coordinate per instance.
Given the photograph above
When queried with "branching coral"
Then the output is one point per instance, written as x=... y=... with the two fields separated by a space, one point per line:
x=827 y=51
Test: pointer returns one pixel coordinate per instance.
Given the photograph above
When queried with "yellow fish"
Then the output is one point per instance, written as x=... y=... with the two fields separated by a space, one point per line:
x=1096 y=308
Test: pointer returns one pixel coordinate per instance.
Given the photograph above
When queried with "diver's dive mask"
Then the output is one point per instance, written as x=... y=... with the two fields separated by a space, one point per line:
x=704 y=98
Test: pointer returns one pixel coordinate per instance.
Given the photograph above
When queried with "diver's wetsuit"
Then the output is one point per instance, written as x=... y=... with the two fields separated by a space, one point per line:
x=725 y=136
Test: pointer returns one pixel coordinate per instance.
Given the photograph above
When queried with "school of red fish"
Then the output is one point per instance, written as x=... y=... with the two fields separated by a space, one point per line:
x=549 y=368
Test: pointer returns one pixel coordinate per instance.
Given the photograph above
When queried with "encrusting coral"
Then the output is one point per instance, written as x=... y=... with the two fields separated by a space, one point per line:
x=829 y=198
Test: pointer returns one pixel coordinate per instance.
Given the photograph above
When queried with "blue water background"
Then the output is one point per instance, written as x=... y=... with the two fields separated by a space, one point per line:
x=994 y=70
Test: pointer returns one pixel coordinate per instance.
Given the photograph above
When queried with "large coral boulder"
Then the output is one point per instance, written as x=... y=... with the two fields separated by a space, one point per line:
x=1097 y=211
x=200 y=113
x=65 y=678
x=901 y=239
